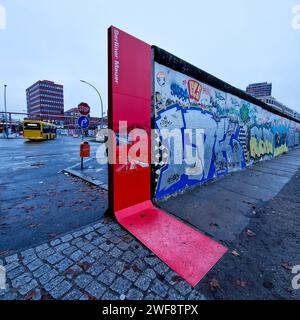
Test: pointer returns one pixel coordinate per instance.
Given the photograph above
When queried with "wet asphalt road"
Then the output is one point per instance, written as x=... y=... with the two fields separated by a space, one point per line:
x=37 y=201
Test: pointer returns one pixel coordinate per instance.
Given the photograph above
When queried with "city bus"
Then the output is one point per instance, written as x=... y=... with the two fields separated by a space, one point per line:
x=34 y=130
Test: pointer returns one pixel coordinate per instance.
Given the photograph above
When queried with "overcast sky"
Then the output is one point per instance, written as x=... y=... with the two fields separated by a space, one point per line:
x=239 y=41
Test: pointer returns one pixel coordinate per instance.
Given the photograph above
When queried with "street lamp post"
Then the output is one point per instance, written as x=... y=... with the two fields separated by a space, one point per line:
x=101 y=101
x=5 y=112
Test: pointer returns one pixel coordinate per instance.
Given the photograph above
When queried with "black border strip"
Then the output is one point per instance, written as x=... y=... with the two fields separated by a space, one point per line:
x=169 y=60
x=153 y=184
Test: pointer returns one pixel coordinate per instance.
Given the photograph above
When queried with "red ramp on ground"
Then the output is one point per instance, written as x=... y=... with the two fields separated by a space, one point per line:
x=186 y=251
x=183 y=249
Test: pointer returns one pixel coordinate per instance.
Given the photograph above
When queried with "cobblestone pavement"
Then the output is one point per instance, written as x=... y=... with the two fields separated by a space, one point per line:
x=101 y=261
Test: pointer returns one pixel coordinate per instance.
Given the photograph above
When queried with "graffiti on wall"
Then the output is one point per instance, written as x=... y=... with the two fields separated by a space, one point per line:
x=261 y=141
x=235 y=132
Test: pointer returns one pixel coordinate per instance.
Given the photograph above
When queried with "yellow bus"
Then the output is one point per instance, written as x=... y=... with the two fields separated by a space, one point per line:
x=38 y=130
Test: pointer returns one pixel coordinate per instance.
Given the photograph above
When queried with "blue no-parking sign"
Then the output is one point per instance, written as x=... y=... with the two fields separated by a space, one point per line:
x=83 y=122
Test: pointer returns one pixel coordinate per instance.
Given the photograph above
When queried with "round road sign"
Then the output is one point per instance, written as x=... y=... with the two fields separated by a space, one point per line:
x=83 y=122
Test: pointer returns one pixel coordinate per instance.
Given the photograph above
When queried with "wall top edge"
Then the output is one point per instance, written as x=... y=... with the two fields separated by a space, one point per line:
x=169 y=60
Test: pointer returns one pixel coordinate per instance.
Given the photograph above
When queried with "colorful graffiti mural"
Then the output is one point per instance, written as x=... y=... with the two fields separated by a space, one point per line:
x=236 y=132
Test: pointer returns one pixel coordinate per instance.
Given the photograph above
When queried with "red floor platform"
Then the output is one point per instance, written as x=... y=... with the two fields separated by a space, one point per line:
x=186 y=251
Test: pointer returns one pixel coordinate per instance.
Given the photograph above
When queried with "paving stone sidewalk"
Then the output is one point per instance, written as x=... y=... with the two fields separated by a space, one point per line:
x=101 y=261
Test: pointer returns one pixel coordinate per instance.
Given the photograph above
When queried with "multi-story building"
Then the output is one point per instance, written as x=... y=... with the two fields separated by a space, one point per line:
x=263 y=91
x=271 y=101
x=70 y=118
x=297 y=115
x=45 y=99
x=258 y=90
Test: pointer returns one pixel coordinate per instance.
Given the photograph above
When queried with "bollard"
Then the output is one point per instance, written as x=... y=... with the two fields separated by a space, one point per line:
x=85 y=151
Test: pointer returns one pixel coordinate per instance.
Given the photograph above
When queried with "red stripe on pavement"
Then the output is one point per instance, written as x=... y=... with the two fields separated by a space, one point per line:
x=183 y=249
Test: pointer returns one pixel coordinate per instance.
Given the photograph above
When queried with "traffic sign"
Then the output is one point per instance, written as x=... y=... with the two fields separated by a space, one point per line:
x=83 y=122
x=84 y=108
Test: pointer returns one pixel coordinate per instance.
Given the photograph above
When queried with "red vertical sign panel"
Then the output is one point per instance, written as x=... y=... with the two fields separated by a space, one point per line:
x=130 y=101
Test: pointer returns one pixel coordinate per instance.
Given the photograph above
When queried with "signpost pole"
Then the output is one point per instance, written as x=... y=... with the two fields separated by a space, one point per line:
x=5 y=128
x=82 y=138
x=83 y=123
